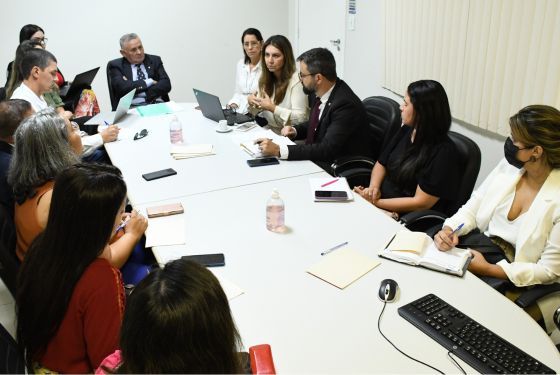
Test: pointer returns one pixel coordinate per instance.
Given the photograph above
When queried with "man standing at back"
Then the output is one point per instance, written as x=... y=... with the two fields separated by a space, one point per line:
x=138 y=70
x=337 y=124
x=38 y=68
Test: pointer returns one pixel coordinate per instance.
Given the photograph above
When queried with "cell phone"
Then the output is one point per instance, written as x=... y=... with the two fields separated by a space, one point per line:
x=159 y=174
x=330 y=194
x=246 y=126
x=208 y=260
x=165 y=210
x=261 y=162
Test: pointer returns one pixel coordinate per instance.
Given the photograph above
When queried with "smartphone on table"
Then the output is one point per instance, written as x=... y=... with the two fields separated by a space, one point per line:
x=261 y=162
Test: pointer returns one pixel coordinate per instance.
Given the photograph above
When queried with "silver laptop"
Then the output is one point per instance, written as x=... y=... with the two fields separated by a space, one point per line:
x=114 y=117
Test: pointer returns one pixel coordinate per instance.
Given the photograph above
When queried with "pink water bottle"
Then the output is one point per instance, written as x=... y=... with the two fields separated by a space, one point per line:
x=275 y=213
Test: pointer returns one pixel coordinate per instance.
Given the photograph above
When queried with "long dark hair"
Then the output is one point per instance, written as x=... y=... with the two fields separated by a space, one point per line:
x=250 y=31
x=431 y=121
x=268 y=82
x=16 y=75
x=84 y=196
x=27 y=32
x=178 y=320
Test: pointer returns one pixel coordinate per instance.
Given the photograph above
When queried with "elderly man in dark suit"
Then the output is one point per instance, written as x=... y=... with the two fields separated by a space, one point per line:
x=138 y=70
x=338 y=123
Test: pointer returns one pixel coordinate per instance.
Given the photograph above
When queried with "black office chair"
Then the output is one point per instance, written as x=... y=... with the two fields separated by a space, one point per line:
x=384 y=121
x=430 y=221
x=3 y=94
x=9 y=263
x=11 y=359
x=112 y=96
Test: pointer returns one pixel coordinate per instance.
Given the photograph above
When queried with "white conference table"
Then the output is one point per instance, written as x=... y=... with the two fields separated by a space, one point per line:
x=227 y=168
x=312 y=326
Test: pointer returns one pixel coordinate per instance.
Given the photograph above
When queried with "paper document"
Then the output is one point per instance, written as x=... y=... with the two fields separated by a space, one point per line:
x=166 y=230
x=342 y=267
x=191 y=151
x=230 y=289
x=330 y=184
x=247 y=141
x=417 y=249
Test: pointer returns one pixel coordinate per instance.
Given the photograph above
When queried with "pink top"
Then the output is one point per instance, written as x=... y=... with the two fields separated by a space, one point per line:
x=111 y=362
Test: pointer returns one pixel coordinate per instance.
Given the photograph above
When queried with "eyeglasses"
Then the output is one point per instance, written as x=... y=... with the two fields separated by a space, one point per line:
x=302 y=76
x=251 y=44
x=141 y=134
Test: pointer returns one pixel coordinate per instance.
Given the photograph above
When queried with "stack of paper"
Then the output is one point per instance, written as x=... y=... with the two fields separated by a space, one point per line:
x=191 y=151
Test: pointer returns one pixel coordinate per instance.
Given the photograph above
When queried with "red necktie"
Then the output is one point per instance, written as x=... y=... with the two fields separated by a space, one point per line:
x=313 y=122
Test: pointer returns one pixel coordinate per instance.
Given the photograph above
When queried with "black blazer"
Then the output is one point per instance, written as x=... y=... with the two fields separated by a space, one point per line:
x=342 y=130
x=120 y=72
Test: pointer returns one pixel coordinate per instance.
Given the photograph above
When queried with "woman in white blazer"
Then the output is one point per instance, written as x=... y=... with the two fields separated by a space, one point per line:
x=280 y=100
x=519 y=203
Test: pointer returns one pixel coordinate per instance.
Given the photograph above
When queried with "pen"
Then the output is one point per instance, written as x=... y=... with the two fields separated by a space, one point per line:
x=330 y=182
x=334 y=248
x=106 y=123
x=247 y=149
x=456 y=230
x=122 y=224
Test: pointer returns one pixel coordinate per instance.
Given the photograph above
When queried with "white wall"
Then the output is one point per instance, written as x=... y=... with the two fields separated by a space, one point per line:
x=199 y=41
x=364 y=61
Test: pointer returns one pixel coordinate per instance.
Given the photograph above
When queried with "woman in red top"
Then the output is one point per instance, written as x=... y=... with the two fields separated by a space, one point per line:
x=70 y=300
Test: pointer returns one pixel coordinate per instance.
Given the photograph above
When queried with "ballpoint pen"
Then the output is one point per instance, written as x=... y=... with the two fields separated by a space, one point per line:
x=334 y=248
x=122 y=224
x=330 y=182
x=247 y=150
x=456 y=230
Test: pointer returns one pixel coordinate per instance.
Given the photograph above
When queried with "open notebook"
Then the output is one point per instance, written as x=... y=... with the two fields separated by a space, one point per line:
x=417 y=249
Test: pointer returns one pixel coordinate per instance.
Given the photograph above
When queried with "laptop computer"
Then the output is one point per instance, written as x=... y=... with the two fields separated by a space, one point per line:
x=81 y=81
x=118 y=115
x=212 y=108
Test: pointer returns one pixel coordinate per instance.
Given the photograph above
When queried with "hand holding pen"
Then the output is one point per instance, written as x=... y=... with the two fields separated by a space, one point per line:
x=447 y=238
x=134 y=223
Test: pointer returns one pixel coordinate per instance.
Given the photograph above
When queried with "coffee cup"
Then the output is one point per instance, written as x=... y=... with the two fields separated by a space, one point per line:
x=222 y=126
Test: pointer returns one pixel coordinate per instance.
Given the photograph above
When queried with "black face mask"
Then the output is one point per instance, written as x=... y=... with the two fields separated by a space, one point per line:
x=510 y=152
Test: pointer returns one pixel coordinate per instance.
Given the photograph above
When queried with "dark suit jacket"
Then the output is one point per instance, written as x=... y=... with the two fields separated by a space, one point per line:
x=119 y=69
x=6 y=194
x=343 y=130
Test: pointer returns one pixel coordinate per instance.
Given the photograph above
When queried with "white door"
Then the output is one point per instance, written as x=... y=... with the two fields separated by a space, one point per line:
x=322 y=23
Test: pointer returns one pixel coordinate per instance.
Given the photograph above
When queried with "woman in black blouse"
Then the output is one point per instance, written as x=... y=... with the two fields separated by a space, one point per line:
x=417 y=167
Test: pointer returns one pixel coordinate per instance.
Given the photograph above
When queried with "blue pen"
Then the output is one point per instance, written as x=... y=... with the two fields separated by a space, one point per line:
x=106 y=123
x=456 y=230
x=334 y=248
x=122 y=224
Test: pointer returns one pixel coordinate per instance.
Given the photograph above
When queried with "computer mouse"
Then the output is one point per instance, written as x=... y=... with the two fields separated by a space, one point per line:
x=388 y=290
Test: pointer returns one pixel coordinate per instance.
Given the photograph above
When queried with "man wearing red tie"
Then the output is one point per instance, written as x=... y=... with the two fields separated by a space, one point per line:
x=337 y=125
x=138 y=70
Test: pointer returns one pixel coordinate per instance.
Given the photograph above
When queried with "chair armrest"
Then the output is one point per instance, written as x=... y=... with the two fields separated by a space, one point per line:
x=351 y=162
x=530 y=296
x=261 y=359
x=415 y=216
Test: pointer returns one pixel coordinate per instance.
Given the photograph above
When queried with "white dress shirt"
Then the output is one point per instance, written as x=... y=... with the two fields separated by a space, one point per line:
x=140 y=98
x=246 y=82
x=25 y=93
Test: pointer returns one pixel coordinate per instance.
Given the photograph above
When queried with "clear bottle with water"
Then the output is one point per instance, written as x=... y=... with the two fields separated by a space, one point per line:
x=175 y=130
x=275 y=213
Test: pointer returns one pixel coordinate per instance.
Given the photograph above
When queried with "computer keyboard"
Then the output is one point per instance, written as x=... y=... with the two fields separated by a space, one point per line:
x=482 y=349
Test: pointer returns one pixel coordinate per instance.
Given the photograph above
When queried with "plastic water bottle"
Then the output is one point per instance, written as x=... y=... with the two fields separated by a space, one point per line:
x=275 y=213
x=175 y=130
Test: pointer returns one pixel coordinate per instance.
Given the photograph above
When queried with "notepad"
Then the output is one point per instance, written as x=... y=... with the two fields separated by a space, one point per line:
x=166 y=230
x=417 y=249
x=342 y=267
x=191 y=151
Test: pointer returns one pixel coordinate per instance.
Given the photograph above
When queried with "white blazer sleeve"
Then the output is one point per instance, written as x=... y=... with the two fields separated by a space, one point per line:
x=293 y=109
